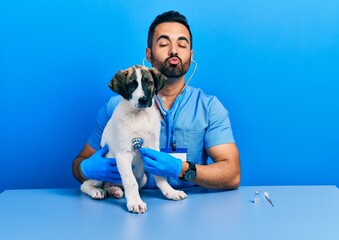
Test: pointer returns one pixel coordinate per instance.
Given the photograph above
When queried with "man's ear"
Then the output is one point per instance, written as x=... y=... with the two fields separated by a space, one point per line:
x=118 y=83
x=148 y=54
x=158 y=78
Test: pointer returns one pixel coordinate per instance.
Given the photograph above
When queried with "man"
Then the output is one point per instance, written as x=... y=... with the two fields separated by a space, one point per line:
x=192 y=121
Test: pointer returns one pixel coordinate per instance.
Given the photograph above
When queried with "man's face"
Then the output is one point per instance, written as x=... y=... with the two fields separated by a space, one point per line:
x=171 y=52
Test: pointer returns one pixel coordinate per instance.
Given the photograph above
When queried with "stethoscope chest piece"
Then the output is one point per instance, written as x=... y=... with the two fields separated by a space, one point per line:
x=137 y=143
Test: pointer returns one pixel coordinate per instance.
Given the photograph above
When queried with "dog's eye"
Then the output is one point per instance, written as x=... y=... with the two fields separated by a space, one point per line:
x=133 y=84
x=147 y=81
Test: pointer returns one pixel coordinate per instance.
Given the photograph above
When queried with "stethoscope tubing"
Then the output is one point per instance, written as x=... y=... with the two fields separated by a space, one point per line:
x=166 y=114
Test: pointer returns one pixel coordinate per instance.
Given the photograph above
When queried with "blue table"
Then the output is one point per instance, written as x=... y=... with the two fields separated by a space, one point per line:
x=299 y=212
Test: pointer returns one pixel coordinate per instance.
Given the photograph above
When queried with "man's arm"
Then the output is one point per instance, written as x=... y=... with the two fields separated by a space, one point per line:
x=85 y=153
x=91 y=164
x=224 y=173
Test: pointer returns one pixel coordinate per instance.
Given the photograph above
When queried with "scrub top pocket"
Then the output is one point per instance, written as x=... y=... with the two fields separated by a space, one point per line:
x=194 y=142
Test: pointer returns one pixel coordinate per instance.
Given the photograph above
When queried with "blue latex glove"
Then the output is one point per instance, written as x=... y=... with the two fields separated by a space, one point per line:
x=160 y=163
x=98 y=167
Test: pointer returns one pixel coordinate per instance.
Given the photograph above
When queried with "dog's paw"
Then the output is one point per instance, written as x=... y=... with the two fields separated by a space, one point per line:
x=114 y=191
x=97 y=193
x=175 y=194
x=136 y=206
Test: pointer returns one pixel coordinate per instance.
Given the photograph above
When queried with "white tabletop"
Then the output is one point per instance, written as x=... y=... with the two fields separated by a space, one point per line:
x=299 y=212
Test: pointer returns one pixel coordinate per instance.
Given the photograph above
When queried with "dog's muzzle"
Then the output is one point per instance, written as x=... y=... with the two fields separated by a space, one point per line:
x=144 y=102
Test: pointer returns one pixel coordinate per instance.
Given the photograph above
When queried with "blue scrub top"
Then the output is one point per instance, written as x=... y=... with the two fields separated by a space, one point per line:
x=202 y=122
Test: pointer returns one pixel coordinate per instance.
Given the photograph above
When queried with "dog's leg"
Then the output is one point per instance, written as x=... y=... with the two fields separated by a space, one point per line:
x=113 y=190
x=109 y=188
x=139 y=170
x=161 y=182
x=93 y=189
x=167 y=190
x=134 y=202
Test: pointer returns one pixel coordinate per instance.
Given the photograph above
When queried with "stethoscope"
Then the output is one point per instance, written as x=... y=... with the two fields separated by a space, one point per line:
x=170 y=116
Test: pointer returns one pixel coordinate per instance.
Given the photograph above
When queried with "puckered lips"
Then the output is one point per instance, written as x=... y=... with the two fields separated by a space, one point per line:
x=174 y=61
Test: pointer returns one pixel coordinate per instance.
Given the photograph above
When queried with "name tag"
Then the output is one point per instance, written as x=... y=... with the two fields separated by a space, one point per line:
x=180 y=153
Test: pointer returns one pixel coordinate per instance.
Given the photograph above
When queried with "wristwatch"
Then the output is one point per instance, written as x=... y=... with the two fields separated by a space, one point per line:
x=190 y=174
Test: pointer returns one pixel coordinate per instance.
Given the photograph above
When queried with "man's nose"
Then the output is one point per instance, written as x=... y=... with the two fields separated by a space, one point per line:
x=173 y=50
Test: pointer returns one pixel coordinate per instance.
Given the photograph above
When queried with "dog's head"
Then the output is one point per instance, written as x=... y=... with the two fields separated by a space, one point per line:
x=138 y=85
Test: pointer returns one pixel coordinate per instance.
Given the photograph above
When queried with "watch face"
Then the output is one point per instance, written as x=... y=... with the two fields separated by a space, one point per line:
x=190 y=175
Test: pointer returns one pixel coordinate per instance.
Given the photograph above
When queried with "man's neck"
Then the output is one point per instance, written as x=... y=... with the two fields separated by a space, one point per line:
x=171 y=90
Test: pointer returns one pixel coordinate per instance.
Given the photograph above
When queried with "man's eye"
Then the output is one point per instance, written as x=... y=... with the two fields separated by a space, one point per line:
x=182 y=44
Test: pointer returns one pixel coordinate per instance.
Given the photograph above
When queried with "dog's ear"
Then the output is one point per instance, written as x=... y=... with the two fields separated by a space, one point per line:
x=159 y=79
x=117 y=84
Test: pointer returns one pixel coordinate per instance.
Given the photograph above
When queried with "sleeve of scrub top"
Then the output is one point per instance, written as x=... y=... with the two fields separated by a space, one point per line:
x=102 y=118
x=219 y=129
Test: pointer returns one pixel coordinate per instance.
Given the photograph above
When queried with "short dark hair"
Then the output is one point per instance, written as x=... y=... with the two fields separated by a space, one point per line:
x=170 y=16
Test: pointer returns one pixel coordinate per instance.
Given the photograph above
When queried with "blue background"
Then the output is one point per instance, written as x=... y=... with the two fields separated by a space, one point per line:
x=273 y=64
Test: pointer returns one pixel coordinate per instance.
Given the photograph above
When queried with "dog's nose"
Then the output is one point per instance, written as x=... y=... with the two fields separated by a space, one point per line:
x=143 y=101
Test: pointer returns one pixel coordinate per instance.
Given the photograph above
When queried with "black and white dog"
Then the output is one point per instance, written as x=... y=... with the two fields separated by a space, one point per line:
x=134 y=117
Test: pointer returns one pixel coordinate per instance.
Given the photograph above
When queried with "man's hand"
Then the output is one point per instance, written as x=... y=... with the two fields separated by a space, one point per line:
x=160 y=163
x=98 y=167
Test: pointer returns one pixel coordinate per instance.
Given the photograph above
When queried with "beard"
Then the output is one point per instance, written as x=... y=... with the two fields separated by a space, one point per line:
x=171 y=70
